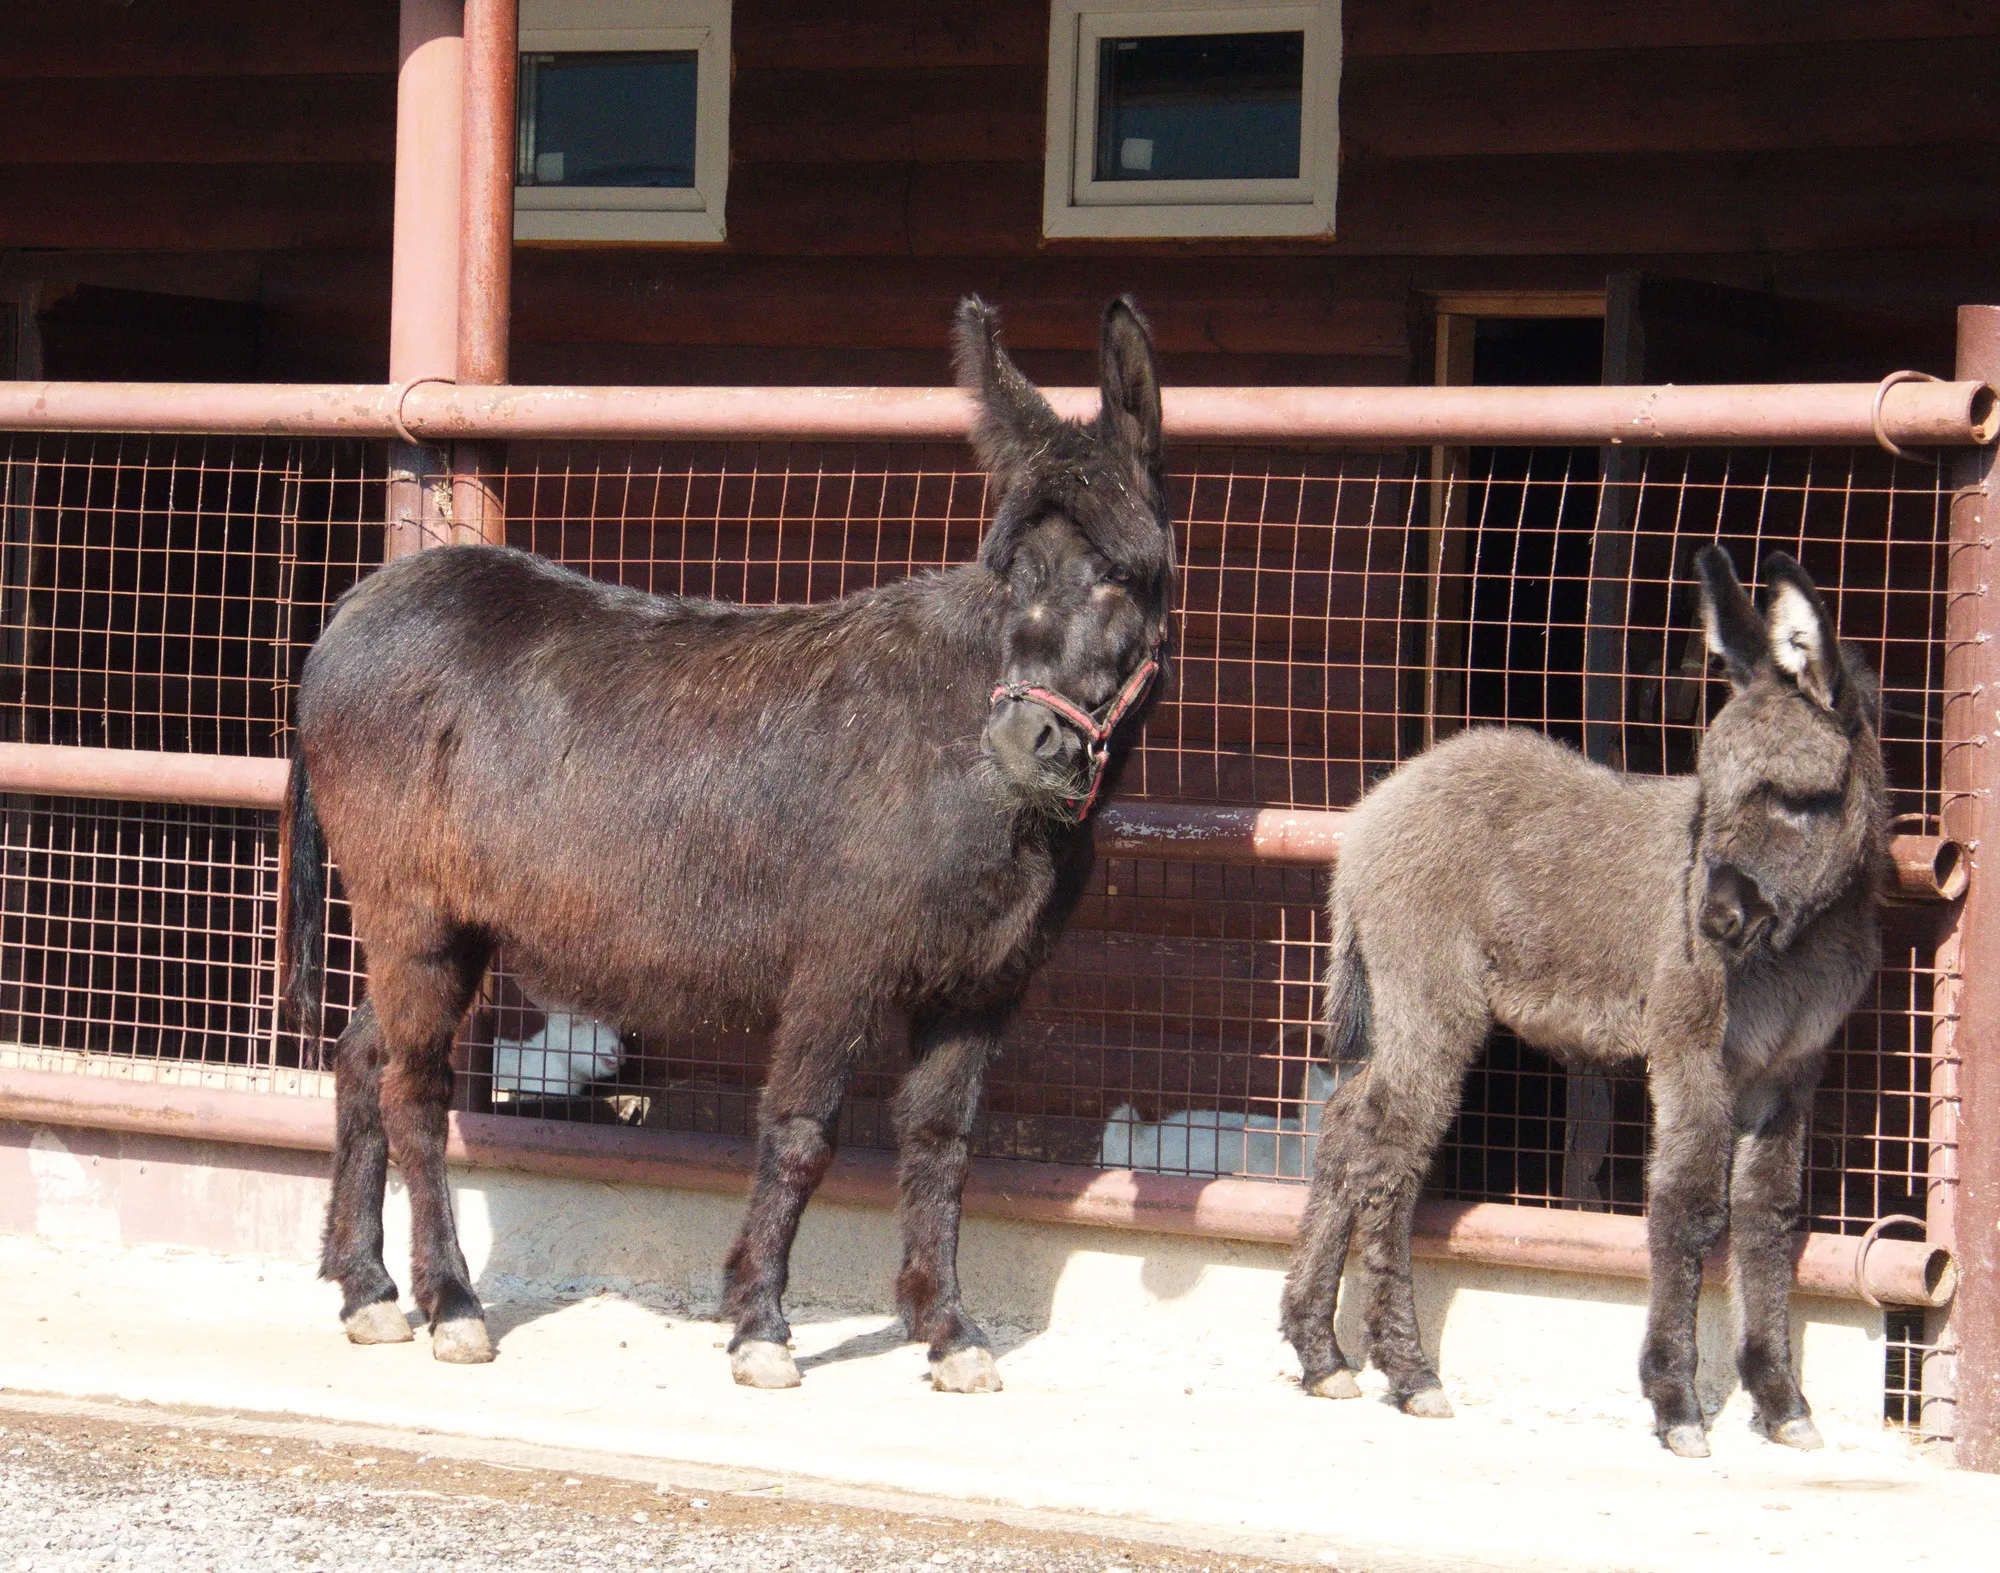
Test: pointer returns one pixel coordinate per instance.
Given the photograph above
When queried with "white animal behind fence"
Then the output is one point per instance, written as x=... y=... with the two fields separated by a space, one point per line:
x=1213 y=1142
x=567 y=1055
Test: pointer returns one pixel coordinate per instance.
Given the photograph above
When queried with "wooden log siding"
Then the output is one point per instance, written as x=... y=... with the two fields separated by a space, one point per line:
x=887 y=157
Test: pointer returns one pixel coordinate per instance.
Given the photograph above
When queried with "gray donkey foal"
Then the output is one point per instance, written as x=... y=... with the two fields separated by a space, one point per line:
x=1719 y=926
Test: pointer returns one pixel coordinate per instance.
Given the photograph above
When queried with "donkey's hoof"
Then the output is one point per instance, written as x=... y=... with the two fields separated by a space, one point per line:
x=757 y=1362
x=968 y=1370
x=1430 y=1404
x=463 y=1342
x=1685 y=1441
x=380 y=1323
x=1335 y=1384
x=1800 y=1433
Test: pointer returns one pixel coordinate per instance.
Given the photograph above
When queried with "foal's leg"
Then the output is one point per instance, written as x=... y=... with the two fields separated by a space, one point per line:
x=1312 y=1287
x=1763 y=1219
x=935 y=1109
x=1686 y=1213
x=351 y=1248
x=419 y=1000
x=1427 y=1028
x=811 y=1058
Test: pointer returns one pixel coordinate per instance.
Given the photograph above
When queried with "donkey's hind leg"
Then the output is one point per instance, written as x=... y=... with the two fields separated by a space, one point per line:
x=1425 y=1039
x=935 y=1109
x=351 y=1248
x=419 y=998
x=1312 y=1287
x=1763 y=1218
x=812 y=1055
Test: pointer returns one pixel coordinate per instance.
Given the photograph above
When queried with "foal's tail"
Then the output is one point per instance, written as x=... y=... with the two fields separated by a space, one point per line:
x=1350 y=1005
x=302 y=903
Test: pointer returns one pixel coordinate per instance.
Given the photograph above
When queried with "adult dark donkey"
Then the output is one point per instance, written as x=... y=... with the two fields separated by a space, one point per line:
x=1720 y=926
x=665 y=810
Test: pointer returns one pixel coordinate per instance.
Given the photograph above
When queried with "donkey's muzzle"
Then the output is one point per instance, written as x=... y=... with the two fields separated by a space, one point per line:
x=1031 y=743
x=1734 y=912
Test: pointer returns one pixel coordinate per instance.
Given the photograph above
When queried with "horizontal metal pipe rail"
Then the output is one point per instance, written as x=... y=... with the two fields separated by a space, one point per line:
x=1897 y=1272
x=1927 y=868
x=1906 y=413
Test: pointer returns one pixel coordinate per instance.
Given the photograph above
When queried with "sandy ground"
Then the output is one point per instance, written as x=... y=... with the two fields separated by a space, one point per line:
x=1145 y=1445
x=95 y=1485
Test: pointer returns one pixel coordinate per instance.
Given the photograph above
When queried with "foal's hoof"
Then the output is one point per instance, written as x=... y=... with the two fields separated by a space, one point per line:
x=969 y=1370
x=1335 y=1384
x=380 y=1323
x=1685 y=1441
x=463 y=1342
x=757 y=1362
x=1430 y=1404
x=1800 y=1433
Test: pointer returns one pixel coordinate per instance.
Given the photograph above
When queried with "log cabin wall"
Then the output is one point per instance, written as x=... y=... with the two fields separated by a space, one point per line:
x=887 y=155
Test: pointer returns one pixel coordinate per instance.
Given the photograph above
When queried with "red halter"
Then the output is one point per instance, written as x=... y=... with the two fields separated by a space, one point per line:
x=1096 y=726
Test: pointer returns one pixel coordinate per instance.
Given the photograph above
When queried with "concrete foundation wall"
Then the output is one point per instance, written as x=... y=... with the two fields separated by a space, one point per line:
x=1212 y=1303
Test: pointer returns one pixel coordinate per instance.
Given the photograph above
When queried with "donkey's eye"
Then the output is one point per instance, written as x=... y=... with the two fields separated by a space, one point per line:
x=1116 y=574
x=1802 y=808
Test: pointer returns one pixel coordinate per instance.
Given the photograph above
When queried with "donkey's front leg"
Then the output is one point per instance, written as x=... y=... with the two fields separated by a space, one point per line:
x=1688 y=1210
x=1763 y=1222
x=935 y=1110
x=811 y=1058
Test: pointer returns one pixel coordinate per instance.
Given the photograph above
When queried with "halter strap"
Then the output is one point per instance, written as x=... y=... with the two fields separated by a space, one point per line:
x=1096 y=726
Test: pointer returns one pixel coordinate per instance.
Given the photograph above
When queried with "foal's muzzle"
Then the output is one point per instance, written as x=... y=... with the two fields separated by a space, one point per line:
x=1733 y=909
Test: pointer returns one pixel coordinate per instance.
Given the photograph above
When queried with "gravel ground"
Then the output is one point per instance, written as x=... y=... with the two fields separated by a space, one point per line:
x=94 y=1493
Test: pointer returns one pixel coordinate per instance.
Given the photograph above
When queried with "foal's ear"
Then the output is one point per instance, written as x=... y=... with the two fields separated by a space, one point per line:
x=1803 y=645
x=1013 y=419
x=1130 y=413
x=1735 y=631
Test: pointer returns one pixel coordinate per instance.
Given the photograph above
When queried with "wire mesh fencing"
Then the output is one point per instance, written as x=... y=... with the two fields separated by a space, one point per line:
x=1338 y=612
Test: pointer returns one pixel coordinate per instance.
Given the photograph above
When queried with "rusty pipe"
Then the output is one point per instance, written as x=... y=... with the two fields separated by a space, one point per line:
x=1971 y=775
x=486 y=236
x=423 y=284
x=1198 y=833
x=1914 y=414
x=1928 y=868
x=1900 y=1272
x=137 y=776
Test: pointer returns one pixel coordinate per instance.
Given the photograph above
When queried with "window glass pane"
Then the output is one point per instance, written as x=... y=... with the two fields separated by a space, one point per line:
x=1206 y=106
x=617 y=119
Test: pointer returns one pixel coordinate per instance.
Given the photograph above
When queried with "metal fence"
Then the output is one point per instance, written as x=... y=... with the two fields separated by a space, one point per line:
x=1338 y=611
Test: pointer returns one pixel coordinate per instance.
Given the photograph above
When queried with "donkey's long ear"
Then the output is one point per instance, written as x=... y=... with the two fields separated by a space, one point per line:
x=1803 y=645
x=1014 y=421
x=1735 y=631
x=1130 y=414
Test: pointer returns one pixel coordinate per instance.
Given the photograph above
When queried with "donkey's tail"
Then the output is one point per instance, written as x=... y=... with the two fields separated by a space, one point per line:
x=302 y=903
x=1350 y=1005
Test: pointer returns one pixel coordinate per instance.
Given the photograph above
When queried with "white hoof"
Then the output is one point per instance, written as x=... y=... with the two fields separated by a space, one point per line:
x=463 y=1342
x=380 y=1323
x=1336 y=1384
x=757 y=1362
x=1800 y=1433
x=1686 y=1441
x=968 y=1370
x=1430 y=1404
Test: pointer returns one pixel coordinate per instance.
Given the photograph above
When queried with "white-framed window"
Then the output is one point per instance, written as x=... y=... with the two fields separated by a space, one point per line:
x=1192 y=117
x=622 y=120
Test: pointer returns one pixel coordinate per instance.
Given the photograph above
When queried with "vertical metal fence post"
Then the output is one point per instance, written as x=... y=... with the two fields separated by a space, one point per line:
x=1971 y=771
x=423 y=295
x=486 y=252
